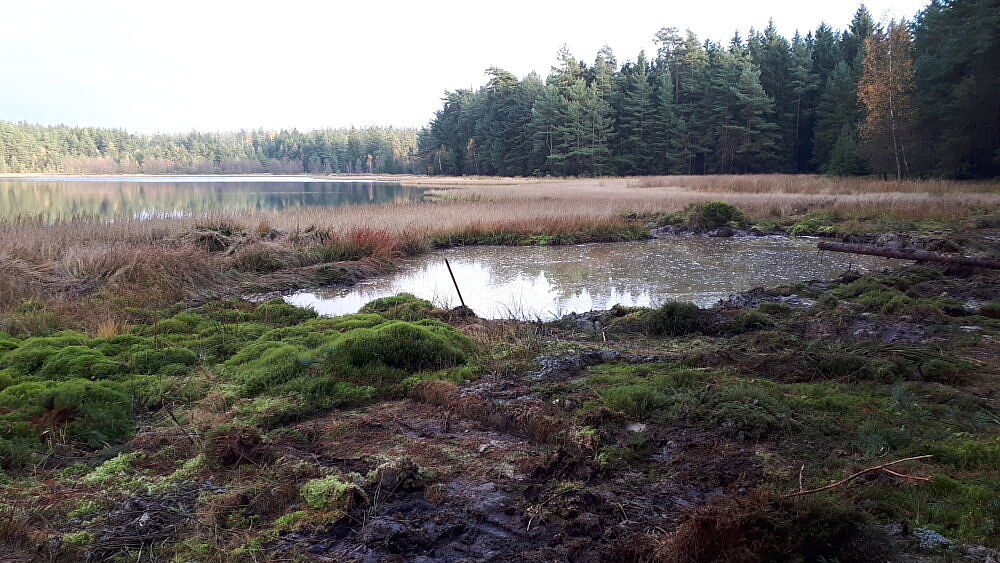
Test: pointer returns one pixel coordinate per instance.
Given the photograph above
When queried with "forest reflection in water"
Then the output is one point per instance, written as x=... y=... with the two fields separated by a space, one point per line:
x=170 y=196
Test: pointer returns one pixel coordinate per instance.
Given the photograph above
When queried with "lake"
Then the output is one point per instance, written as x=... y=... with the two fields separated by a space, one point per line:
x=548 y=282
x=140 y=197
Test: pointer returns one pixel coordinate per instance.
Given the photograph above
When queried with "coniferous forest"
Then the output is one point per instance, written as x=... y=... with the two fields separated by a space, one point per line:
x=86 y=150
x=897 y=99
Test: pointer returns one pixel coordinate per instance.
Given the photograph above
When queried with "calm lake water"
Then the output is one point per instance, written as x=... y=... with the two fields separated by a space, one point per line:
x=548 y=282
x=172 y=196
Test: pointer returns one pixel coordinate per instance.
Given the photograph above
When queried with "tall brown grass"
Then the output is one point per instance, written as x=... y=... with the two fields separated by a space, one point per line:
x=808 y=184
x=163 y=260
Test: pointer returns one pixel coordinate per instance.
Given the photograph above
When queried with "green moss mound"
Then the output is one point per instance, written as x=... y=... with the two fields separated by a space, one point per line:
x=276 y=362
x=424 y=345
x=87 y=412
x=874 y=294
x=812 y=227
x=74 y=362
x=32 y=353
x=402 y=307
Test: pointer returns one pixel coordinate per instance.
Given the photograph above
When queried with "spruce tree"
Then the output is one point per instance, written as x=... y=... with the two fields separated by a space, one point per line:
x=635 y=120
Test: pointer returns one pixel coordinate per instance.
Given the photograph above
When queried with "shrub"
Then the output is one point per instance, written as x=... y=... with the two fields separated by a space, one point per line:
x=117 y=468
x=942 y=370
x=314 y=332
x=636 y=449
x=121 y=344
x=154 y=391
x=82 y=538
x=674 y=318
x=402 y=307
x=746 y=411
x=268 y=412
x=836 y=364
x=714 y=214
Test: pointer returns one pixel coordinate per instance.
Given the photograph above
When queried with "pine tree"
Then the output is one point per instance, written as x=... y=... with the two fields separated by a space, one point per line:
x=758 y=149
x=803 y=85
x=546 y=116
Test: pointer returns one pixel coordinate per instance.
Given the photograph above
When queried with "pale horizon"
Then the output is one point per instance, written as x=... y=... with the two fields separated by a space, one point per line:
x=228 y=66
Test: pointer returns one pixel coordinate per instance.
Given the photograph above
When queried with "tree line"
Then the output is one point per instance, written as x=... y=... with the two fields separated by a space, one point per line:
x=903 y=98
x=86 y=150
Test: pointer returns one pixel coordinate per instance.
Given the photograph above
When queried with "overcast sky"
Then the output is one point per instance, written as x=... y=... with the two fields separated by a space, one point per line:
x=176 y=65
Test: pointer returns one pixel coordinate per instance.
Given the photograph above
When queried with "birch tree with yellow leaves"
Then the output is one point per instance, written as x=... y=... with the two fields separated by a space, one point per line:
x=885 y=91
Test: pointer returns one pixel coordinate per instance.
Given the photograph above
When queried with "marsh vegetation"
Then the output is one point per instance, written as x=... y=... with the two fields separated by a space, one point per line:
x=147 y=407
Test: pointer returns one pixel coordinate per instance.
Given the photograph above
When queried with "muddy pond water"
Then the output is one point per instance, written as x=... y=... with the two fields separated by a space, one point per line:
x=548 y=282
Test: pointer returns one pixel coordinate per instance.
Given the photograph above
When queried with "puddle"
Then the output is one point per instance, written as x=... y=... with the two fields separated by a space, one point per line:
x=548 y=282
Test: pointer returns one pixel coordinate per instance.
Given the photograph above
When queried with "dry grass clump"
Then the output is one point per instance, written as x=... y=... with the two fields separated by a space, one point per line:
x=759 y=527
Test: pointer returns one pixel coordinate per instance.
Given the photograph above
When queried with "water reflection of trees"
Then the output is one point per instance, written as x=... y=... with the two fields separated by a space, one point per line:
x=110 y=199
x=545 y=282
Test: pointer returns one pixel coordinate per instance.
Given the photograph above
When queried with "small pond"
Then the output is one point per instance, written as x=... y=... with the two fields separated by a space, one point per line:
x=548 y=282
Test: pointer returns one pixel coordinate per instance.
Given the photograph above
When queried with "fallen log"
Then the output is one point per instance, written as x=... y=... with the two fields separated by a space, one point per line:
x=918 y=255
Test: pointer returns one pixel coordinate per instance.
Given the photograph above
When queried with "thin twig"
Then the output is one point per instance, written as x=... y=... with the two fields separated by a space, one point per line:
x=170 y=411
x=855 y=476
x=914 y=477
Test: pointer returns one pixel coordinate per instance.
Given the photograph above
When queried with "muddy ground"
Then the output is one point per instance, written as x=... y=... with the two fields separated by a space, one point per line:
x=593 y=438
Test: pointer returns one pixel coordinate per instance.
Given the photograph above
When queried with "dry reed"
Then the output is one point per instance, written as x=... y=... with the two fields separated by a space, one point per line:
x=141 y=257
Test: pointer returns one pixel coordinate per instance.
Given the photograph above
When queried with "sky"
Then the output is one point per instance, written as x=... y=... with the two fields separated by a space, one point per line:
x=211 y=65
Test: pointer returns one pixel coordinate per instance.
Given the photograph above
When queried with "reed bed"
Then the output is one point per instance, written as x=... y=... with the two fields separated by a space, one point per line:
x=160 y=260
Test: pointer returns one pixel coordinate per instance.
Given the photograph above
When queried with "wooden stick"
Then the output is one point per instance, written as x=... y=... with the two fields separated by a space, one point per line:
x=914 y=477
x=919 y=255
x=452 y=274
x=855 y=476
